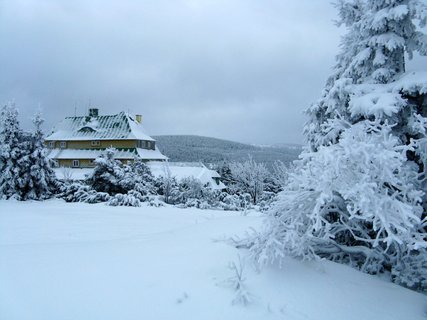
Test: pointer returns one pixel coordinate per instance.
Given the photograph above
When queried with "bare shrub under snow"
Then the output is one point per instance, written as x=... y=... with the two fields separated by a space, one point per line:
x=249 y=177
x=237 y=282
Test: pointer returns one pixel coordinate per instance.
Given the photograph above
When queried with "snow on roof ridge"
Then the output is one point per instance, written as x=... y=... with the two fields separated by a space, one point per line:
x=188 y=164
x=180 y=172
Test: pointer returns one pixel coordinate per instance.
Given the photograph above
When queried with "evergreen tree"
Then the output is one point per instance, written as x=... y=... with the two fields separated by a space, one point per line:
x=107 y=174
x=380 y=33
x=110 y=176
x=138 y=177
x=26 y=173
x=42 y=180
x=357 y=196
x=11 y=152
x=224 y=171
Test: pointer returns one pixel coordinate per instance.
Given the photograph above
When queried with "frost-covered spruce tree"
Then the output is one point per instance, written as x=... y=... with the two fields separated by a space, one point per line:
x=136 y=183
x=129 y=185
x=108 y=174
x=26 y=174
x=138 y=177
x=12 y=150
x=42 y=182
x=380 y=33
x=224 y=171
x=357 y=195
x=10 y=138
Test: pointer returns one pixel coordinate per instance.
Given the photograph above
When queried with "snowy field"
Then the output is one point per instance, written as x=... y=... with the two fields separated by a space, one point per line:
x=80 y=261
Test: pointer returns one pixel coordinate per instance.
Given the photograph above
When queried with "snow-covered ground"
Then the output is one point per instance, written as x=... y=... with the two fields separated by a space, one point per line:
x=82 y=261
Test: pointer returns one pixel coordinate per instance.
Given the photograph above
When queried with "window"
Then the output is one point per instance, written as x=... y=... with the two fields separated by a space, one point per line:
x=76 y=163
x=63 y=144
x=86 y=129
x=91 y=162
x=95 y=143
x=55 y=163
x=145 y=144
x=51 y=144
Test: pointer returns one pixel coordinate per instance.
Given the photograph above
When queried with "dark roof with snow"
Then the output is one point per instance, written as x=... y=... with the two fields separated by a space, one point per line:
x=121 y=126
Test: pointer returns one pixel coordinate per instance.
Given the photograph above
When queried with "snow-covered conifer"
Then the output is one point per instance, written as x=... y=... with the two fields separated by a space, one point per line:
x=43 y=183
x=357 y=195
x=107 y=174
x=12 y=150
x=138 y=177
x=191 y=188
x=131 y=199
x=224 y=171
x=380 y=33
x=76 y=192
x=129 y=185
x=26 y=173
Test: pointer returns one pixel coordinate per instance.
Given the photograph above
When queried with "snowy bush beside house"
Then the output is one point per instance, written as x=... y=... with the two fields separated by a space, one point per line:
x=358 y=193
x=181 y=184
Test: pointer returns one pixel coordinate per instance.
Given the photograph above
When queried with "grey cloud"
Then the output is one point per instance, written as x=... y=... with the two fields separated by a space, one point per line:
x=238 y=69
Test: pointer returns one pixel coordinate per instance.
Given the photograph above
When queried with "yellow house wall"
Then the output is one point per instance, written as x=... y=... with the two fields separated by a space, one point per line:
x=84 y=163
x=128 y=144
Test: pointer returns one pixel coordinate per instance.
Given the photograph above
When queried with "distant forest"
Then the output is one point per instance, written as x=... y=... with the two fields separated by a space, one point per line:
x=189 y=148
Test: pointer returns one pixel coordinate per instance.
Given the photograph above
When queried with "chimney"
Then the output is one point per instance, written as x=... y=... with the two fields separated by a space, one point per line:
x=93 y=112
x=138 y=118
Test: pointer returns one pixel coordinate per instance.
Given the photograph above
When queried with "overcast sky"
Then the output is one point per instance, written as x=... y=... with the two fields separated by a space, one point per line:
x=242 y=70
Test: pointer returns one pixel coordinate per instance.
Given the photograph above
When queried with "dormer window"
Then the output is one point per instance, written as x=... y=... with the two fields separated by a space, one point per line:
x=63 y=145
x=87 y=129
x=95 y=143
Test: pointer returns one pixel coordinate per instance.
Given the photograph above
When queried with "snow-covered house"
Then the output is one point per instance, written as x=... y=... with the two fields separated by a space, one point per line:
x=182 y=170
x=77 y=141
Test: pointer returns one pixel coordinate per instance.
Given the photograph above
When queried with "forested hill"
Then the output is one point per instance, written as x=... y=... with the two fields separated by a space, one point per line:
x=212 y=150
